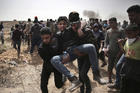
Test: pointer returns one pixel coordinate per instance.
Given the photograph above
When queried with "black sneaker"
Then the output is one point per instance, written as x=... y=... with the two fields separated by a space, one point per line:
x=104 y=64
x=110 y=81
x=115 y=86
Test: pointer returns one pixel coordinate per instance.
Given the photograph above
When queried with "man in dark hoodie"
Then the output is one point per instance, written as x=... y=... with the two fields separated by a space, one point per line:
x=16 y=39
x=35 y=35
x=1 y=32
x=47 y=49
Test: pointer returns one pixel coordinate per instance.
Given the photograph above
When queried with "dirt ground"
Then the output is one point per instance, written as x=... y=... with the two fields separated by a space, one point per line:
x=23 y=75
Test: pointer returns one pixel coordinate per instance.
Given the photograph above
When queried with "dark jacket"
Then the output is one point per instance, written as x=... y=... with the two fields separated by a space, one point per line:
x=17 y=35
x=70 y=38
x=1 y=27
x=35 y=31
x=47 y=51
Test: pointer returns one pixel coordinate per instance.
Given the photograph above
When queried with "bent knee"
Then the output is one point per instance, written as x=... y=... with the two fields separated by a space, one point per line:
x=55 y=59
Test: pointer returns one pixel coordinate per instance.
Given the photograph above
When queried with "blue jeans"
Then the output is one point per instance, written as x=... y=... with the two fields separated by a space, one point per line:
x=85 y=48
x=118 y=68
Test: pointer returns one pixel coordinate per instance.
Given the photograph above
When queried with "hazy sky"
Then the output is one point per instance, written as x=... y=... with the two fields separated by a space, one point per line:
x=24 y=9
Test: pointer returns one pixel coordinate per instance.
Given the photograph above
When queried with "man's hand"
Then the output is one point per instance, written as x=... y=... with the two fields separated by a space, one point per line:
x=105 y=51
x=120 y=41
x=80 y=32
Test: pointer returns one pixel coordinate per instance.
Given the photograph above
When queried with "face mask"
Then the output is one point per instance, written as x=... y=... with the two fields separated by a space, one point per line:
x=130 y=41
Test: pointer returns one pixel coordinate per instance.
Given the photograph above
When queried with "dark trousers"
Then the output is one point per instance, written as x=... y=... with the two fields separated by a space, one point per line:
x=130 y=86
x=27 y=39
x=35 y=42
x=102 y=56
x=2 y=38
x=46 y=72
x=113 y=58
x=16 y=45
x=130 y=73
x=84 y=66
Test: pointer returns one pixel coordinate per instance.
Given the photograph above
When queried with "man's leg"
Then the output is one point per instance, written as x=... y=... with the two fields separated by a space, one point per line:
x=58 y=79
x=14 y=44
x=118 y=68
x=2 y=38
x=102 y=57
x=118 y=77
x=46 y=72
x=91 y=51
x=80 y=64
x=38 y=43
x=84 y=66
x=33 y=43
x=111 y=62
x=28 y=40
x=57 y=63
x=18 y=50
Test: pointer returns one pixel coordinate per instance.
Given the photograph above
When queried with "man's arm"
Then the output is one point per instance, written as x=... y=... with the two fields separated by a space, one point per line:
x=42 y=54
x=106 y=43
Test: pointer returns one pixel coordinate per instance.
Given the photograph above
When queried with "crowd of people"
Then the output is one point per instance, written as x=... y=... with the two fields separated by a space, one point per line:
x=63 y=40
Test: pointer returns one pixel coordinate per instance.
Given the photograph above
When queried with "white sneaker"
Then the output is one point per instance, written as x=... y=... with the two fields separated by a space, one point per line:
x=75 y=85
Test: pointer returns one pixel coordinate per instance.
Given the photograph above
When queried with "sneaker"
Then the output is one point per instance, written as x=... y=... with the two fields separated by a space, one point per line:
x=75 y=84
x=110 y=81
x=97 y=77
x=100 y=80
x=114 y=86
x=104 y=64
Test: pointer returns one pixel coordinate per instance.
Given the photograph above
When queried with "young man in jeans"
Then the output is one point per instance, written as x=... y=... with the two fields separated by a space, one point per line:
x=74 y=43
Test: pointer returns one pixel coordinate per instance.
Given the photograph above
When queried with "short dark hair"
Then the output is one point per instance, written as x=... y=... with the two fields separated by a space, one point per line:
x=45 y=30
x=16 y=25
x=134 y=8
x=29 y=20
x=62 y=18
x=74 y=17
x=113 y=19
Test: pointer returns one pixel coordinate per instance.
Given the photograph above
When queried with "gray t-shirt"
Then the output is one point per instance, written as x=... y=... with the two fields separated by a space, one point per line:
x=111 y=39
